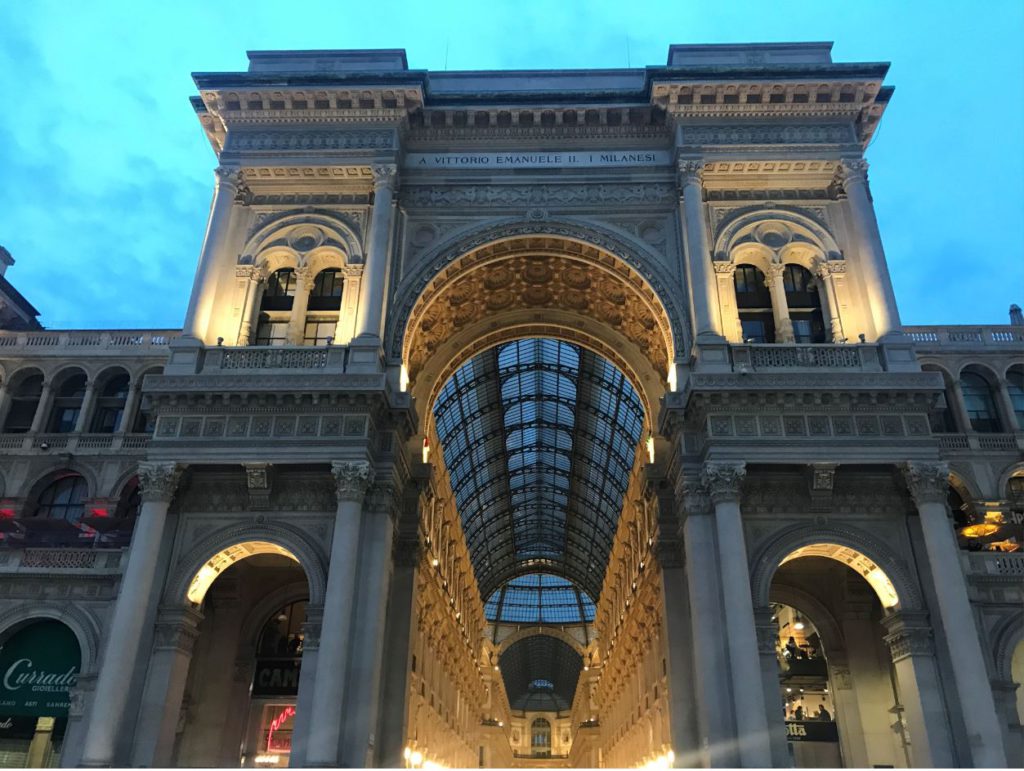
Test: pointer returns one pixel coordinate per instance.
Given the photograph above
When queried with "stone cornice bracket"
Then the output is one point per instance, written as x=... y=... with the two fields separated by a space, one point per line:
x=723 y=480
x=353 y=479
x=385 y=175
x=158 y=481
x=690 y=172
x=927 y=482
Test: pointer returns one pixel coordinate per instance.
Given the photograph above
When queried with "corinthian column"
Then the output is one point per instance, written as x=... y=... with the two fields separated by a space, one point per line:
x=352 y=479
x=371 y=298
x=226 y=187
x=300 y=304
x=723 y=483
x=874 y=270
x=157 y=483
x=929 y=484
x=700 y=276
x=780 y=305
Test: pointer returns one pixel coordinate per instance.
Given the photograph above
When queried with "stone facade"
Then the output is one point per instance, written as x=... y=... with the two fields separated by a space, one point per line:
x=801 y=448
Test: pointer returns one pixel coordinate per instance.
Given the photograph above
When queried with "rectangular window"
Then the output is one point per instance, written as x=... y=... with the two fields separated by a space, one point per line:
x=317 y=331
x=754 y=331
x=272 y=332
x=802 y=331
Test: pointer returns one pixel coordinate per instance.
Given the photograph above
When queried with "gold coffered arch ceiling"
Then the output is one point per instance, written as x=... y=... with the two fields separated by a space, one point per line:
x=541 y=279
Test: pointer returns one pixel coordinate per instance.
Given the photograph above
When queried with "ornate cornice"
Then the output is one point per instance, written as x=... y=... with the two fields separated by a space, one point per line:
x=927 y=482
x=158 y=481
x=723 y=480
x=353 y=479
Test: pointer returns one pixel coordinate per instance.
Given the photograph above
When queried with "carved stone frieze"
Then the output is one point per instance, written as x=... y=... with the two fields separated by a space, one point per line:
x=305 y=141
x=158 y=481
x=353 y=479
x=536 y=195
x=769 y=134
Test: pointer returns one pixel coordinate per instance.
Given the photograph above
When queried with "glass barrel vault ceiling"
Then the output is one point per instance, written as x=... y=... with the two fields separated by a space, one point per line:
x=540 y=673
x=539 y=438
x=539 y=598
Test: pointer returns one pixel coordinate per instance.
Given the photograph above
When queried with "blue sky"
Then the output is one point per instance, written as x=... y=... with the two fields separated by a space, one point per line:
x=105 y=177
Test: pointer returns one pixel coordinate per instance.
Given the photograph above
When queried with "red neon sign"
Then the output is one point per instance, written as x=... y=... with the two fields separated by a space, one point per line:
x=275 y=724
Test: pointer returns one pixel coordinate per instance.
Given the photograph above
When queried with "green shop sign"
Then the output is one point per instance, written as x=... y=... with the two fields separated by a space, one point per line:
x=38 y=667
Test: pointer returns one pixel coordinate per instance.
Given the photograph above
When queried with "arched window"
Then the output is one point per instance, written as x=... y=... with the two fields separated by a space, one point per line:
x=540 y=737
x=754 y=303
x=323 y=308
x=110 y=405
x=978 y=402
x=275 y=308
x=24 y=402
x=1015 y=386
x=804 y=304
x=282 y=634
x=67 y=404
x=64 y=498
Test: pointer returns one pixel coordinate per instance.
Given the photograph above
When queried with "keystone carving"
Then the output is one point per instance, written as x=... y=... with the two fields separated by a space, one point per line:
x=158 y=481
x=352 y=478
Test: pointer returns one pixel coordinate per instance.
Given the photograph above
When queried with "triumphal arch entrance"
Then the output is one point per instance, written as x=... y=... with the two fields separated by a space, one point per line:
x=546 y=419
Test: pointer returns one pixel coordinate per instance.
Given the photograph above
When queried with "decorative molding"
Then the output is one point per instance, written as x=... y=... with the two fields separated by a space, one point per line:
x=537 y=195
x=158 y=481
x=177 y=629
x=769 y=134
x=257 y=480
x=384 y=175
x=909 y=634
x=353 y=479
x=306 y=140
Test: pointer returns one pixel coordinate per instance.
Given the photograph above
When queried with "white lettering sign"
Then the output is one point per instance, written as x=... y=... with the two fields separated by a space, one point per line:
x=539 y=160
x=21 y=672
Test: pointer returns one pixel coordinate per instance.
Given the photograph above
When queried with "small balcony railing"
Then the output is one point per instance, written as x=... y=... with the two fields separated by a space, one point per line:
x=79 y=342
x=782 y=356
x=953 y=443
x=90 y=444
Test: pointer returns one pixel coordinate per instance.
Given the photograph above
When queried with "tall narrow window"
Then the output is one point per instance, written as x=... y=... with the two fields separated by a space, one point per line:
x=1015 y=385
x=24 y=402
x=754 y=302
x=110 y=405
x=324 y=307
x=67 y=404
x=540 y=737
x=276 y=308
x=978 y=402
x=804 y=304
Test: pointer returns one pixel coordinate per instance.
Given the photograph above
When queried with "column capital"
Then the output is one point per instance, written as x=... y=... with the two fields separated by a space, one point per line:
x=690 y=172
x=693 y=494
x=384 y=175
x=908 y=634
x=767 y=632
x=723 y=480
x=254 y=273
x=381 y=498
x=158 y=481
x=927 y=482
x=352 y=478
x=853 y=170
x=724 y=267
x=774 y=272
x=177 y=629
x=228 y=177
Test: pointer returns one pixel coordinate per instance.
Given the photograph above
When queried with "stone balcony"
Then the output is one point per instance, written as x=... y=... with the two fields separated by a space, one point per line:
x=966 y=337
x=48 y=562
x=808 y=357
x=79 y=444
x=77 y=343
x=972 y=443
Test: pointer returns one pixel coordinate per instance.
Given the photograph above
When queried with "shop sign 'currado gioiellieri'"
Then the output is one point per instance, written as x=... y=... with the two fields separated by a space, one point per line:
x=39 y=666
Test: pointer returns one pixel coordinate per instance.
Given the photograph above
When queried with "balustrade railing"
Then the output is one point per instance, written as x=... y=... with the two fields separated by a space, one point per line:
x=275 y=357
x=816 y=356
x=83 y=341
x=966 y=336
x=72 y=442
x=996 y=563
x=989 y=442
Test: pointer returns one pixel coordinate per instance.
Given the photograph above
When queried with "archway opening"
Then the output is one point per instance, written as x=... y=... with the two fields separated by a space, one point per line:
x=39 y=663
x=242 y=686
x=539 y=441
x=838 y=683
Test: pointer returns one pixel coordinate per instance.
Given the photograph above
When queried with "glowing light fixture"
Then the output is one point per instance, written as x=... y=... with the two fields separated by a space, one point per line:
x=426 y=450
x=798 y=623
x=650 y=448
x=403 y=379
x=980 y=530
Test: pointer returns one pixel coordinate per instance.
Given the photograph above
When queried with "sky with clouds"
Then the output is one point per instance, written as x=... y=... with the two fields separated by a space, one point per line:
x=105 y=176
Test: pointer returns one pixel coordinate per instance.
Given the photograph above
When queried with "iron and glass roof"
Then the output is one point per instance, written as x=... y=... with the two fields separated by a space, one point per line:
x=540 y=673
x=539 y=598
x=539 y=438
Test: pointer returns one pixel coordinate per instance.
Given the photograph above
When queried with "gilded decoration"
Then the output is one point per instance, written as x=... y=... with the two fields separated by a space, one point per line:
x=537 y=275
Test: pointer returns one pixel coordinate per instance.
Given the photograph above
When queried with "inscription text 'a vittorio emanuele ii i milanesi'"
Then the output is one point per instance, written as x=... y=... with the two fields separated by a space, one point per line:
x=563 y=159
